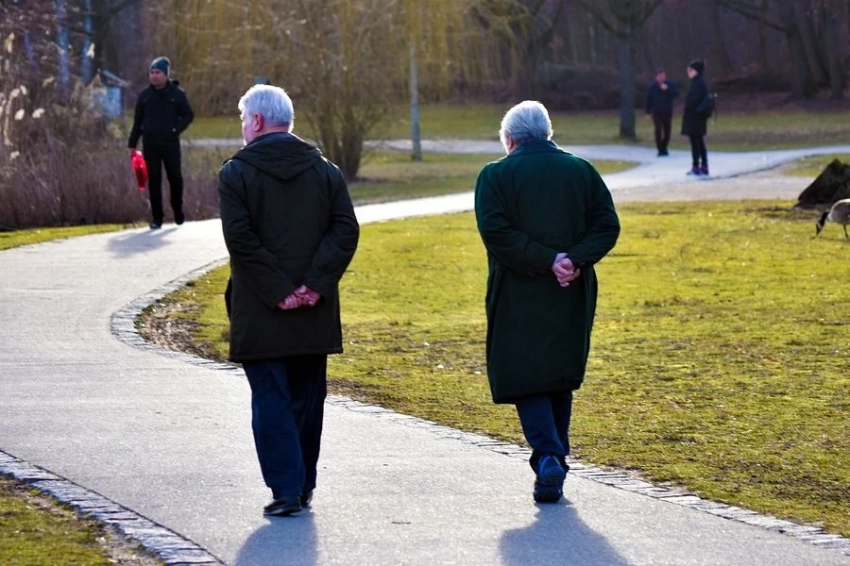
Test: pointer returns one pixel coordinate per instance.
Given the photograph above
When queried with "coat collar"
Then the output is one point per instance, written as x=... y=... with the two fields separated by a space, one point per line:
x=536 y=146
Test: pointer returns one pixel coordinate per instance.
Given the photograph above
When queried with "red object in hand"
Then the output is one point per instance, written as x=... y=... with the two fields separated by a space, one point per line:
x=140 y=168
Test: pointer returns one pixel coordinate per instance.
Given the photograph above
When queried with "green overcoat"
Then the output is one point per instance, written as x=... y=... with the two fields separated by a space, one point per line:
x=531 y=205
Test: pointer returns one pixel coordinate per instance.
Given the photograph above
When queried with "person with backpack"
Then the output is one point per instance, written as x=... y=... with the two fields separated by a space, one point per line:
x=162 y=114
x=699 y=104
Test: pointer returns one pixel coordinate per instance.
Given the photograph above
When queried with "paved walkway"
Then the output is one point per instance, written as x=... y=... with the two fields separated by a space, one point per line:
x=159 y=443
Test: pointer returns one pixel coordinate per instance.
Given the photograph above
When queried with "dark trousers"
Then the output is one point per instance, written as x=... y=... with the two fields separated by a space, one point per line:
x=545 y=421
x=663 y=122
x=698 y=151
x=287 y=407
x=156 y=156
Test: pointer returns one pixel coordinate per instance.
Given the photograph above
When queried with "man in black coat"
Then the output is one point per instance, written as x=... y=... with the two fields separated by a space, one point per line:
x=659 y=106
x=290 y=228
x=162 y=114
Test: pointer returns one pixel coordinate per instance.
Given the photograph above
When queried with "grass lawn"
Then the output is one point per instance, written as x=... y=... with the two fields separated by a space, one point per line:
x=387 y=175
x=719 y=359
x=729 y=131
x=37 y=532
x=811 y=167
x=38 y=235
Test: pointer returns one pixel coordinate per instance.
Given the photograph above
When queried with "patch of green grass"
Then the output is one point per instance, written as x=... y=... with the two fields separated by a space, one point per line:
x=387 y=176
x=33 y=537
x=719 y=359
x=728 y=131
x=17 y=238
x=811 y=167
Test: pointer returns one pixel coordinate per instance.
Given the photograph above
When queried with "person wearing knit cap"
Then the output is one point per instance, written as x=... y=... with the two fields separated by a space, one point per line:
x=162 y=113
x=695 y=120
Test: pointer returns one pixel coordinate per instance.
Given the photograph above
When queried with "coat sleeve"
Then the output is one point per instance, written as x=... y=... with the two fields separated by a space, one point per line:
x=185 y=115
x=340 y=241
x=603 y=225
x=138 y=118
x=509 y=245
x=265 y=278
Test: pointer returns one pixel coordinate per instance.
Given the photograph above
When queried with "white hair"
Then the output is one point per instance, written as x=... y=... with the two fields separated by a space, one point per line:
x=271 y=102
x=525 y=122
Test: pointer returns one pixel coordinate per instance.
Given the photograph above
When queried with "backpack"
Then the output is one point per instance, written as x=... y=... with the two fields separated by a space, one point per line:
x=708 y=105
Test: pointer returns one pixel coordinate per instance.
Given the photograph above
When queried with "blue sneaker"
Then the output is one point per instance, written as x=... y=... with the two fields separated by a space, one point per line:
x=550 y=471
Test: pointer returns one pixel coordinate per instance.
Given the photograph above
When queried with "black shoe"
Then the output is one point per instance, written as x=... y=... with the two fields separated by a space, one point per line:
x=179 y=218
x=282 y=507
x=156 y=225
x=306 y=498
x=663 y=153
x=547 y=493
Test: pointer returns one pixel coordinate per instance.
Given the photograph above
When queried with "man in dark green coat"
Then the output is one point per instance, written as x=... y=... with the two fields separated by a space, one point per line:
x=546 y=217
x=290 y=228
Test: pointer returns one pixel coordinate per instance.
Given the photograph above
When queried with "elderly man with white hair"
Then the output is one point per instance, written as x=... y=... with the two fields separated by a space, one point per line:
x=546 y=217
x=290 y=228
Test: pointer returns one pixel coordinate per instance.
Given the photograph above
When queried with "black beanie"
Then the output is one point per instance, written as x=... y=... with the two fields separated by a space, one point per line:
x=161 y=63
x=697 y=65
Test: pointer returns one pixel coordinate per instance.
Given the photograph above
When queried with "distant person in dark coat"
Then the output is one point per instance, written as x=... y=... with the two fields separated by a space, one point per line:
x=695 y=121
x=659 y=106
x=162 y=114
x=290 y=228
x=545 y=217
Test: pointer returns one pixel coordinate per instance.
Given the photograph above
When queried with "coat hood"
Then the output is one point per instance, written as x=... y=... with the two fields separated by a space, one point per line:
x=280 y=155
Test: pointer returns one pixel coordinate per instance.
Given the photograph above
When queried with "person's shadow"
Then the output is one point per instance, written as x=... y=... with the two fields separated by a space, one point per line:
x=125 y=244
x=558 y=536
x=285 y=541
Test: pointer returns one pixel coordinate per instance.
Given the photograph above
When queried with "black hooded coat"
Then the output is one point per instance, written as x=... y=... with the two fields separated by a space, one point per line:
x=288 y=220
x=695 y=121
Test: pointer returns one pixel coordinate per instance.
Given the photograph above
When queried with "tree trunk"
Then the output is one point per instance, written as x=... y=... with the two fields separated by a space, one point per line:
x=833 y=51
x=763 y=61
x=724 y=60
x=804 y=16
x=801 y=84
x=625 y=52
x=415 y=133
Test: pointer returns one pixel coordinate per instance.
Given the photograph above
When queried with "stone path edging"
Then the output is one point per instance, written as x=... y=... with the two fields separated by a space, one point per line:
x=123 y=327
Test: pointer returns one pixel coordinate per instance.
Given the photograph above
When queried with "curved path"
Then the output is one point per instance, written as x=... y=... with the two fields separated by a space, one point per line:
x=159 y=443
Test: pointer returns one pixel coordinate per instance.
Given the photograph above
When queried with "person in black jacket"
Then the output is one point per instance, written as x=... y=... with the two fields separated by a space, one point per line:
x=289 y=225
x=695 y=120
x=659 y=106
x=162 y=114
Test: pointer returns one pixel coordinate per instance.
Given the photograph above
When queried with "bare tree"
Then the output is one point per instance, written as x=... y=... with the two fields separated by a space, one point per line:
x=811 y=29
x=625 y=19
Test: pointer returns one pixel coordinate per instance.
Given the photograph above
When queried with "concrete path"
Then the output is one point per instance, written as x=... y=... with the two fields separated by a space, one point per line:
x=160 y=442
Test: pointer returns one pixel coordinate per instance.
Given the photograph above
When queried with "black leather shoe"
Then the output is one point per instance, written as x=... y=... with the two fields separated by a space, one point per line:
x=156 y=226
x=179 y=218
x=306 y=498
x=282 y=507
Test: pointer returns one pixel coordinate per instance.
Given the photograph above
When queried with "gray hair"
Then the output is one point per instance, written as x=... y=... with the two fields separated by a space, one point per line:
x=525 y=122
x=271 y=102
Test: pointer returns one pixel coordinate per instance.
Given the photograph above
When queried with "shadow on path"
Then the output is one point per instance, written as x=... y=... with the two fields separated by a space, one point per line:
x=557 y=536
x=125 y=244
x=285 y=540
